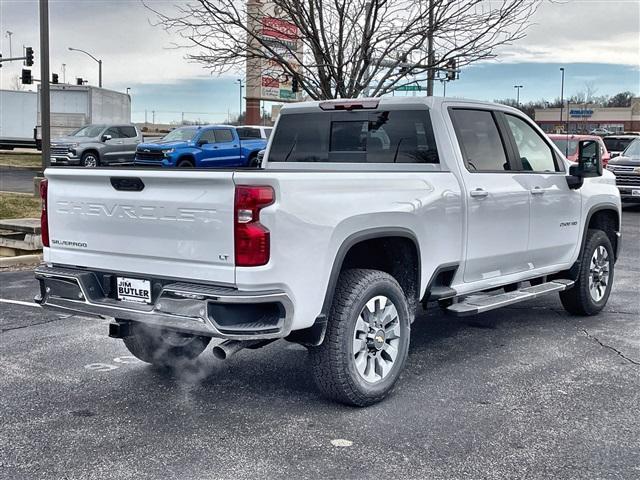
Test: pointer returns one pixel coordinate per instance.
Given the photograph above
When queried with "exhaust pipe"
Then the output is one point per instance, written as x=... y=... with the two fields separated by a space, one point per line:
x=229 y=347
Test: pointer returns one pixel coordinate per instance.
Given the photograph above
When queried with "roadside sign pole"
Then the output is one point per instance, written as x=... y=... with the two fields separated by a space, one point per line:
x=45 y=109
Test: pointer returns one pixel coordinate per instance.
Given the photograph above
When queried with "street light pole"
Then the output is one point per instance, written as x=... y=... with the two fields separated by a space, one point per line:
x=99 y=63
x=561 y=94
x=10 y=50
x=518 y=87
x=241 y=87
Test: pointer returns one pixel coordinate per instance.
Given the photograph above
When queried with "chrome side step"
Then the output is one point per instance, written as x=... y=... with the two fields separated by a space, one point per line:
x=474 y=304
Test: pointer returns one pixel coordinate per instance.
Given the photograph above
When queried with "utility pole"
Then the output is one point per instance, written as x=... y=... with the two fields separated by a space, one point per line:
x=45 y=107
x=430 y=56
x=64 y=73
x=182 y=120
x=518 y=87
x=153 y=117
x=10 y=50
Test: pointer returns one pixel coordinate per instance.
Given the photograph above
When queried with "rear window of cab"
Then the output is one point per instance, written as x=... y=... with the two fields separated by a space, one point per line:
x=389 y=136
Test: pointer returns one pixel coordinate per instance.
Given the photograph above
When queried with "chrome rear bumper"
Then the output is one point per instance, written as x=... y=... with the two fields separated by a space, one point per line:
x=212 y=311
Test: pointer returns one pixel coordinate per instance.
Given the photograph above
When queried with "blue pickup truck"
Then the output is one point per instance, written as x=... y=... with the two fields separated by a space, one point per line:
x=211 y=146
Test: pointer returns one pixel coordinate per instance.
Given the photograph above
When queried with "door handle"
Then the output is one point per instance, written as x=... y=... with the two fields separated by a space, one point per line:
x=537 y=191
x=479 y=193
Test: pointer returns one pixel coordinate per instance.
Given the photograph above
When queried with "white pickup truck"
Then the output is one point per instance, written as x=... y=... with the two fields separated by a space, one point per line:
x=362 y=210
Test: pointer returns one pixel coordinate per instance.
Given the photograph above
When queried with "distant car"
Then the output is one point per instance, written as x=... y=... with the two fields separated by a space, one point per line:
x=568 y=144
x=254 y=131
x=97 y=145
x=626 y=168
x=210 y=146
x=616 y=144
x=600 y=131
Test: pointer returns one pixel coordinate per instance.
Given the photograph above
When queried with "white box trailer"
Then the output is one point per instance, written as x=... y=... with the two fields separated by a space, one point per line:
x=73 y=106
x=18 y=118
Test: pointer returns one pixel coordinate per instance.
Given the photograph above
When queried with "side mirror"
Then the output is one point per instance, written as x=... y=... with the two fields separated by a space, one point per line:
x=589 y=161
x=261 y=156
x=106 y=137
x=202 y=142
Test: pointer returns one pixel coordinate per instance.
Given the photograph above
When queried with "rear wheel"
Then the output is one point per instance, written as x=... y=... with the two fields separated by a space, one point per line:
x=591 y=291
x=253 y=161
x=90 y=160
x=163 y=347
x=367 y=339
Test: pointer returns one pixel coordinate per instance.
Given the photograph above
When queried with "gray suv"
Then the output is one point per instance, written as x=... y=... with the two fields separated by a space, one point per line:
x=96 y=145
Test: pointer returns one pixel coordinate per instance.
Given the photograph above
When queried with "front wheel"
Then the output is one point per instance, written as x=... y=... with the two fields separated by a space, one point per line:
x=90 y=160
x=185 y=164
x=163 y=347
x=367 y=339
x=591 y=291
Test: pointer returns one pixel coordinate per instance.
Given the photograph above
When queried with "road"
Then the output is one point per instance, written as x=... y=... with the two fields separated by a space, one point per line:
x=14 y=180
x=523 y=392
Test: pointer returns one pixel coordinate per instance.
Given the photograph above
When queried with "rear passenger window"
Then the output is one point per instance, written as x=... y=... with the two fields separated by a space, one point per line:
x=534 y=153
x=223 y=135
x=248 y=133
x=129 y=132
x=479 y=140
x=381 y=137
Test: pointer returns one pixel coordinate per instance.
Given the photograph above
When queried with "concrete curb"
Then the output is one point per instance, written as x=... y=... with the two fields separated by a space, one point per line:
x=16 y=167
x=17 y=193
x=20 y=261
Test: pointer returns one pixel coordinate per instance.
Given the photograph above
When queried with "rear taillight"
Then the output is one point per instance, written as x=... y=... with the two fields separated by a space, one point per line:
x=251 y=237
x=44 y=218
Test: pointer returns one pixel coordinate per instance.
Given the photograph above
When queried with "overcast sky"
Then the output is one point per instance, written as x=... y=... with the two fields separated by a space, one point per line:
x=595 y=40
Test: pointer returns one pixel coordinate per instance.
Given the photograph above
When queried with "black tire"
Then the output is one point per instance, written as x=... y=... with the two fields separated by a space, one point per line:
x=163 y=348
x=579 y=300
x=334 y=363
x=185 y=164
x=253 y=161
x=90 y=160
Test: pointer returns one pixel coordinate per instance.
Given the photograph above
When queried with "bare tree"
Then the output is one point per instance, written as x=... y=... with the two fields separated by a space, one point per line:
x=349 y=46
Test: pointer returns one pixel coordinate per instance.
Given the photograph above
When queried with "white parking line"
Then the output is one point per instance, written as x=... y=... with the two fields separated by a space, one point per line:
x=19 y=302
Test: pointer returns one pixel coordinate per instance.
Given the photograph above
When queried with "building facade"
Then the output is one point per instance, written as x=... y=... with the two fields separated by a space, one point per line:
x=583 y=118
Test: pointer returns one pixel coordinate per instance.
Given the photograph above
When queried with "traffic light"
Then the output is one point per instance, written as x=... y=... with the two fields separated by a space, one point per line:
x=79 y=81
x=29 y=56
x=294 y=85
x=452 y=66
x=54 y=78
x=26 y=77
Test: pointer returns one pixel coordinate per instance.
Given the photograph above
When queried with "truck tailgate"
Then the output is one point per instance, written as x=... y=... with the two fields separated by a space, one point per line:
x=179 y=225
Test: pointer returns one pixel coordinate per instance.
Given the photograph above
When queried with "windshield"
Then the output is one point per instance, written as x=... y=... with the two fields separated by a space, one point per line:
x=89 y=131
x=617 y=144
x=181 y=134
x=568 y=147
x=633 y=150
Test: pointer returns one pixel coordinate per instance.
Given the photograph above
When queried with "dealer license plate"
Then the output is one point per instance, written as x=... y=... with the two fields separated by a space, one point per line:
x=134 y=290
x=635 y=193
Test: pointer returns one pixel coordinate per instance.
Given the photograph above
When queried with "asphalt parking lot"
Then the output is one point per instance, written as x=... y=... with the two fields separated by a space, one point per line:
x=16 y=180
x=526 y=392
